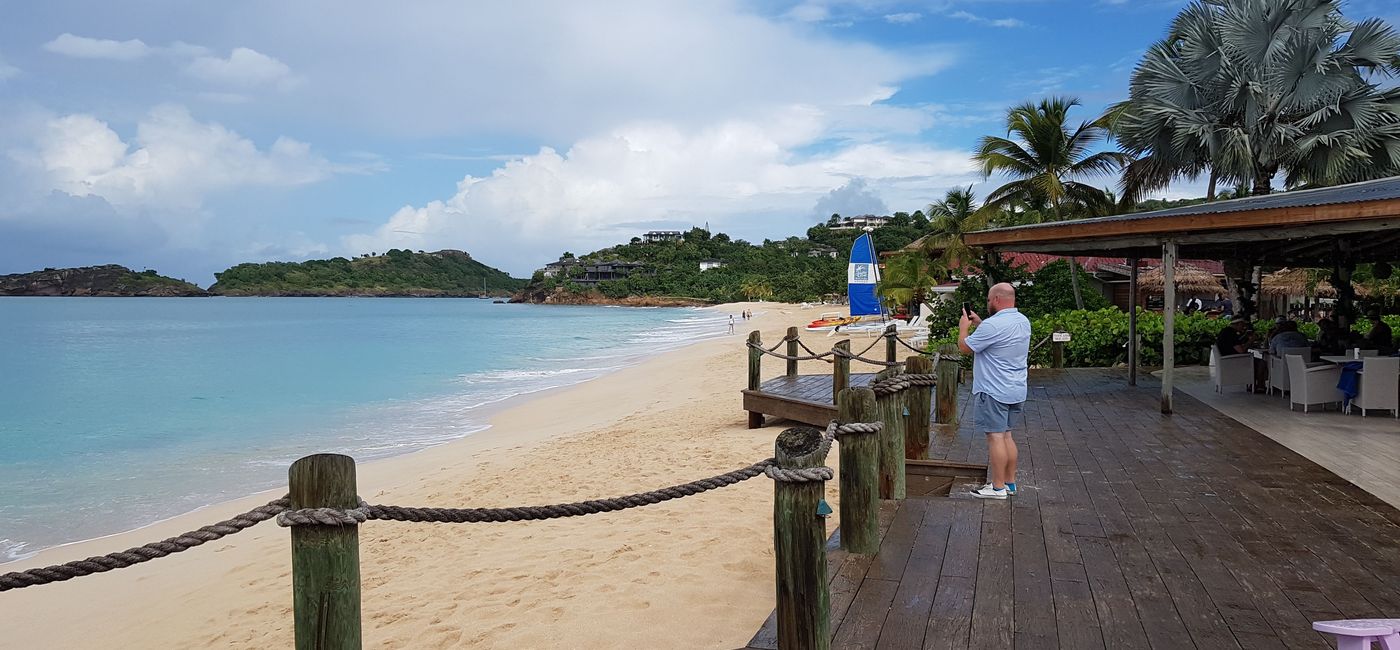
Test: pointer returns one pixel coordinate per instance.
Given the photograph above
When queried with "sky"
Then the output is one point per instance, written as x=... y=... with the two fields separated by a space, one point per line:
x=188 y=137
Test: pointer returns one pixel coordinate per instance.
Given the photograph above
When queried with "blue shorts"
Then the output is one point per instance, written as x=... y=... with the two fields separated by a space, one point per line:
x=992 y=416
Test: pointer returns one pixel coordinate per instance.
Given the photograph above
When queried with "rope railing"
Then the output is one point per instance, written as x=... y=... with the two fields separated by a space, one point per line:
x=812 y=357
x=280 y=509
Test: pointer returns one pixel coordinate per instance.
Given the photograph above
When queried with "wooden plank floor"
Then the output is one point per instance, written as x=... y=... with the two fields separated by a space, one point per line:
x=1132 y=530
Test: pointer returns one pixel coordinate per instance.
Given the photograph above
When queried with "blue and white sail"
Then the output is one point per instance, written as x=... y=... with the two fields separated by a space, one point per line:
x=861 y=275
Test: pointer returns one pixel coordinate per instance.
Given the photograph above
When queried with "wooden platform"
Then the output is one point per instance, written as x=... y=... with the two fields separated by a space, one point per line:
x=1132 y=530
x=803 y=398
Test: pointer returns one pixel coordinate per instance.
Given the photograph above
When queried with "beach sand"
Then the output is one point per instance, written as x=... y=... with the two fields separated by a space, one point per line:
x=690 y=573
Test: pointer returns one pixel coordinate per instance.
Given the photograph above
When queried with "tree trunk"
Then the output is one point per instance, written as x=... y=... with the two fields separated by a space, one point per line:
x=1263 y=178
x=1210 y=189
x=1074 y=283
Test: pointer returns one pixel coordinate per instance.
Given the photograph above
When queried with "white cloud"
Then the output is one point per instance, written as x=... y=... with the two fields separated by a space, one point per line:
x=7 y=71
x=809 y=12
x=244 y=67
x=903 y=18
x=97 y=48
x=729 y=174
x=979 y=20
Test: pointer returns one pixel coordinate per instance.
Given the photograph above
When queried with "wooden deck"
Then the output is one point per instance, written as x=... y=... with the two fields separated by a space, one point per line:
x=1132 y=530
x=804 y=398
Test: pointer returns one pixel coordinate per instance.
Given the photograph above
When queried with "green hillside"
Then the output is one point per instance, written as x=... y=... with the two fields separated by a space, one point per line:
x=395 y=273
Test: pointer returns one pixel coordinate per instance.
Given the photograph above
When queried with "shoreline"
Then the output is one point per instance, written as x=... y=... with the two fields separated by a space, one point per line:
x=489 y=410
x=619 y=424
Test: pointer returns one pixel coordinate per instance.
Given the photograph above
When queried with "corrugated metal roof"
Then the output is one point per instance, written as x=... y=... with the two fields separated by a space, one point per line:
x=1377 y=190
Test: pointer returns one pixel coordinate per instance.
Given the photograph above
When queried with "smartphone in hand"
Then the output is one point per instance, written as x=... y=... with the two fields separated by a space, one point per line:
x=967 y=307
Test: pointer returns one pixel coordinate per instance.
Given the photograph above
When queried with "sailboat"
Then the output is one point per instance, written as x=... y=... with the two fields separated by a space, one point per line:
x=862 y=273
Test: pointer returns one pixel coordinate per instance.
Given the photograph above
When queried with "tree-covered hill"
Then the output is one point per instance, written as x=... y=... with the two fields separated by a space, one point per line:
x=107 y=280
x=793 y=269
x=445 y=273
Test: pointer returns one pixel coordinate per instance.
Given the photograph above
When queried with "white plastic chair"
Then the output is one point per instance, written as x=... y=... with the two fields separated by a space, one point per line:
x=1312 y=385
x=1379 y=387
x=1231 y=369
x=1278 y=368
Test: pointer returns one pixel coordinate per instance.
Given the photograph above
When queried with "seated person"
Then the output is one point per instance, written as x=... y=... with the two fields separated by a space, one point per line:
x=1380 y=336
x=1288 y=337
x=1232 y=339
x=1329 y=336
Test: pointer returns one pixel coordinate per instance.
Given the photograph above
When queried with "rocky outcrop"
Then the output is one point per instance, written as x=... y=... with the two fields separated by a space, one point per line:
x=106 y=280
x=560 y=296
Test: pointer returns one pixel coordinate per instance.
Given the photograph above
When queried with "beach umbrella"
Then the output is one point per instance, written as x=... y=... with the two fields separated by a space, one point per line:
x=1189 y=279
x=1294 y=282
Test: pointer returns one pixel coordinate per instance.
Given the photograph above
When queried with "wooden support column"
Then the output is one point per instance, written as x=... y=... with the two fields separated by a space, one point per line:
x=325 y=559
x=891 y=407
x=1168 y=322
x=755 y=370
x=917 y=402
x=791 y=339
x=891 y=333
x=945 y=403
x=799 y=545
x=840 y=369
x=860 y=474
x=1132 y=321
x=1057 y=354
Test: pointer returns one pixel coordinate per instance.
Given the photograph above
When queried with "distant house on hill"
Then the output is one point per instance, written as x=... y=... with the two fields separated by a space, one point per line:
x=858 y=223
x=710 y=263
x=603 y=271
x=658 y=236
x=559 y=268
x=822 y=250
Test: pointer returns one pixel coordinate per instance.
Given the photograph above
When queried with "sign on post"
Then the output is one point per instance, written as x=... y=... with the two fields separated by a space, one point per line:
x=1059 y=337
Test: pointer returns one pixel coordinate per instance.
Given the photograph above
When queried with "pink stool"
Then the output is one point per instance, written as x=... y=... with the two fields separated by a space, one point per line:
x=1360 y=633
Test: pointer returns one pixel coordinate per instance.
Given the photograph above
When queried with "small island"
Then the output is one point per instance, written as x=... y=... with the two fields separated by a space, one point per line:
x=396 y=273
x=105 y=280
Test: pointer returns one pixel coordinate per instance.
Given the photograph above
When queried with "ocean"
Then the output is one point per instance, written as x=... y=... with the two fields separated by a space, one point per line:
x=118 y=412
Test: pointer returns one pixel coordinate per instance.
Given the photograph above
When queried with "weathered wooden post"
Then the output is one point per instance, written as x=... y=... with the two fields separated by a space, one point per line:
x=891 y=333
x=840 y=368
x=1057 y=351
x=916 y=401
x=946 y=403
x=325 y=559
x=755 y=368
x=791 y=339
x=860 y=474
x=799 y=541
x=891 y=408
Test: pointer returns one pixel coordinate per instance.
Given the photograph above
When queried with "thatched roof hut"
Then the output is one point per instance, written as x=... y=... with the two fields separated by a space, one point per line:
x=1189 y=279
x=1294 y=282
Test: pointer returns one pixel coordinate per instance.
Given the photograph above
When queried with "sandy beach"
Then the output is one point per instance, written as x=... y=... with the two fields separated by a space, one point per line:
x=692 y=573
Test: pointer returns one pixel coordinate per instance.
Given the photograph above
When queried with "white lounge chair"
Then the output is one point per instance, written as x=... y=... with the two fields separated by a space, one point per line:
x=1231 y=369
x=1312 y=384
x=1278 y=368
x=1379 y=387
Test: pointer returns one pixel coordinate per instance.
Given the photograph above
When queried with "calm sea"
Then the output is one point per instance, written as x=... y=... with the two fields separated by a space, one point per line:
x=117 y=412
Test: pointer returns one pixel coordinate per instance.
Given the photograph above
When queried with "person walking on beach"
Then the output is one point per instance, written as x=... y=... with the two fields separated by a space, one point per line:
x=999 y=347
x=731 y=323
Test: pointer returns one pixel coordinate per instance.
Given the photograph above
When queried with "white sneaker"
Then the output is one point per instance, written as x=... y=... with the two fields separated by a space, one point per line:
x=989 y=492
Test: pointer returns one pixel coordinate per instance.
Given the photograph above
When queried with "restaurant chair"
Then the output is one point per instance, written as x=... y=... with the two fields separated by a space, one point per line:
x=1379 y=387
x=1312 y=385
x=1278 y=368
x=1231 y=369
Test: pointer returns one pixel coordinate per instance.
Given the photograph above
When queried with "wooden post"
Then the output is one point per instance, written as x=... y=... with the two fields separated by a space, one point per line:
x=891 y=409
x=325 y=559
x=860 y=473
x=791 y=339
x=917 y=400
x=1168 y=322
x=946 y=402
x=799 y=541
x=1133 y=341
x=840 y=369
x=891 y=333
x=1057 y=354
x=755 y=368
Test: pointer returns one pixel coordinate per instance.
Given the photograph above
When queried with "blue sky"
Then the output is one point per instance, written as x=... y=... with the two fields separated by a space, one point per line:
x=187 y=137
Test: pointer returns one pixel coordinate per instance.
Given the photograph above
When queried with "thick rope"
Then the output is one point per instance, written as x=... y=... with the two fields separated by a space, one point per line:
x=902 y=382
x=133 y=556
x=789 y=357
x=906 y=344
x=874 y=362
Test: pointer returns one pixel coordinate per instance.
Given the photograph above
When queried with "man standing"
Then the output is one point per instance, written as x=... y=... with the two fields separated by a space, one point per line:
x=999 y=348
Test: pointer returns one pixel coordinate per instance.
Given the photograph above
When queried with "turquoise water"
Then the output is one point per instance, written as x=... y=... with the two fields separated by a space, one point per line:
x=123 y=411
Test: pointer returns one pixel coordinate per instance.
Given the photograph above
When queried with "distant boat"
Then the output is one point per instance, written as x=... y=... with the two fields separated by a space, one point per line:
x=862 y=273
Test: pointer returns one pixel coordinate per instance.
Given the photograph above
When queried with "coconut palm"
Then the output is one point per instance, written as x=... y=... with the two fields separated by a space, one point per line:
x=1248 y=88
x=951 y=217
x=1047 y=160
x=907 y=279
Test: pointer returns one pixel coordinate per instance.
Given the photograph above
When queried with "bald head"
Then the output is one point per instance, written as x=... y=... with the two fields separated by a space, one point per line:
x=1001 y=296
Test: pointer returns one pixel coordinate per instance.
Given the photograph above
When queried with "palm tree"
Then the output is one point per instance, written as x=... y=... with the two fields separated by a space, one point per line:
x=908 y=277
x=1246 y=88
x=756 y=288
x=1047 y=160
x=951 y=217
